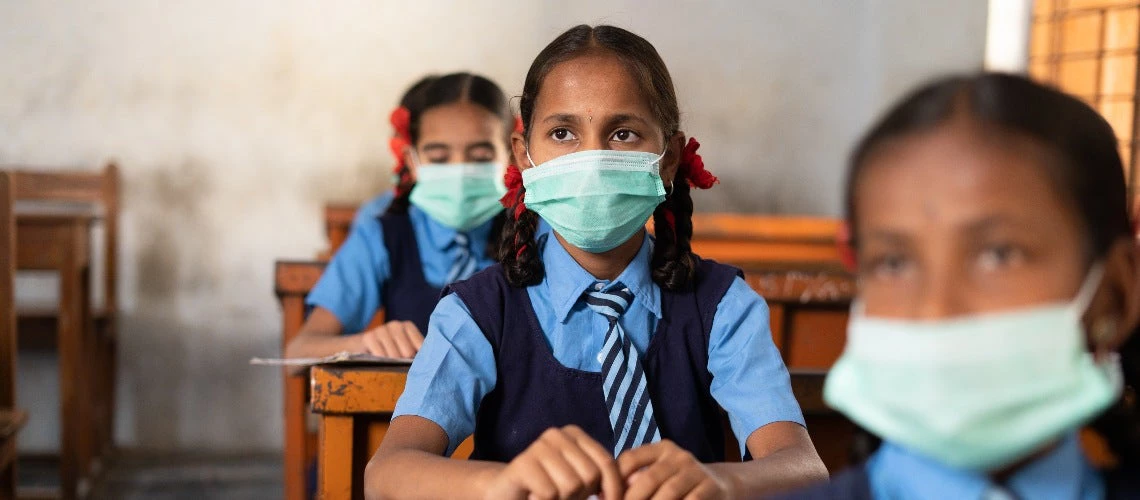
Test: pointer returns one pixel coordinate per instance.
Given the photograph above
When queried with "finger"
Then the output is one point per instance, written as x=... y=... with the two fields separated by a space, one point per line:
x=612 y=483
x=589 y=476
x=706 y=490
x=387 y=344
x=632 y=460
x=534 y=477
x=680 y=484
x=649 y=480
x=403 y=344
x=371 y=346
x=559 y=470
x=416 y=335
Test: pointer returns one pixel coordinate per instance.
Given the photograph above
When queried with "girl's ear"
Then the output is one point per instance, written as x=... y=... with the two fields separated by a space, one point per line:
x=672 y=159
x=1115 y=312
x=518 y=150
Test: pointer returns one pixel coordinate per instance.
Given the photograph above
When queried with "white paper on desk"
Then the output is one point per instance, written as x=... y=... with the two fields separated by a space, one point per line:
x=342 y=358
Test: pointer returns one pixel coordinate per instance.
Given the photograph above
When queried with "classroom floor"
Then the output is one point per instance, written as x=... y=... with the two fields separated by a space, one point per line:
x=176 y=477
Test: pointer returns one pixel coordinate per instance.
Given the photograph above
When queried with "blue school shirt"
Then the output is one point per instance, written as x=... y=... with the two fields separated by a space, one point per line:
x=352 y=284
x=1063 y=473
x=373 y=208
x=456 y=366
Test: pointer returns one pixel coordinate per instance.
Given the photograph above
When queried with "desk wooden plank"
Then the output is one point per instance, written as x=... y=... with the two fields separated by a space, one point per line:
x=363 y=389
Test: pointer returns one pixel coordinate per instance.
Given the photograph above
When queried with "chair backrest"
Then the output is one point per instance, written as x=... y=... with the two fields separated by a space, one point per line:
x=100 y=188
x=7 y=294
x=338 y=222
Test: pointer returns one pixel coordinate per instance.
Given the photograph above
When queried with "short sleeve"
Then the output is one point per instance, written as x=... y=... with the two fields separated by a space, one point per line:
x=372 y=209
x=750 y=380
x=351 y=285
x=454 y=369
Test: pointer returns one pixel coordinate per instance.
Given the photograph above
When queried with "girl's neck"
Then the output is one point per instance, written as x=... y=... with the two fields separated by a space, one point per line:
x=607 y=265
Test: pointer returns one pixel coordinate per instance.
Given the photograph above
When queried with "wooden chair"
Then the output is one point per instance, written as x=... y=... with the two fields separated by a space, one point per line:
x=338 y=223
x=37 y=325
x=11 y=420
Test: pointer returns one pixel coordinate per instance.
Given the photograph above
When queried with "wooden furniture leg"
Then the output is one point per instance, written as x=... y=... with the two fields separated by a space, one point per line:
x=336 y=453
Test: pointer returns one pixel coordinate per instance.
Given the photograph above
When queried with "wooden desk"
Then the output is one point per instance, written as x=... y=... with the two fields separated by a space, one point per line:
x=354 y=404
x=59 y=240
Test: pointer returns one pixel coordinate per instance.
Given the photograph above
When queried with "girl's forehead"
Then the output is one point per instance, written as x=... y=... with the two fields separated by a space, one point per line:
x=957 y=174
x=599 y=83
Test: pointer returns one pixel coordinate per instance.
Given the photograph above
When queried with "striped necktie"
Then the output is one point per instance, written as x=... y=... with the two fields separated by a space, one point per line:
x=624 y=385
x=464 y=265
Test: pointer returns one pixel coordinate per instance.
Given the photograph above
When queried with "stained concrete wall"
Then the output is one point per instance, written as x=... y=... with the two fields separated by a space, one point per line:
x=234 y=121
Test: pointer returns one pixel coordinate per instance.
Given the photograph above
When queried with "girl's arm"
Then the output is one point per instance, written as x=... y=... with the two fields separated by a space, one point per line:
x=321 y=336
x=562 y=463
x=410 y=464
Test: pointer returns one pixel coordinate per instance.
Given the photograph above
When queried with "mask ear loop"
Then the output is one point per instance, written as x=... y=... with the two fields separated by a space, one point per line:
x=1088 y=289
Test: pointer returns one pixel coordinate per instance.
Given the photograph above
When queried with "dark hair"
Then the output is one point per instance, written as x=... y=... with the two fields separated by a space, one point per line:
x=434 y=91
x=674 y=265
x=1083 y=163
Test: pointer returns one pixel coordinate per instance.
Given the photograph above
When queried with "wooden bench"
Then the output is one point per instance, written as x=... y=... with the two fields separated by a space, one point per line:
x=11 y=419
x=37 y=325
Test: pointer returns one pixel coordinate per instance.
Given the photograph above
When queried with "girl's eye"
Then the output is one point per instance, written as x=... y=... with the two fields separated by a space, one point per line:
x=625 y=135
x=1000 y=256
x=889 y=266
x=562 y=135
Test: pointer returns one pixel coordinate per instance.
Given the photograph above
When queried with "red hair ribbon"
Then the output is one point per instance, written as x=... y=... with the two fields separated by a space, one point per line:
x=692 y=170
x=401 y=121
x=846 y=249
x=519 y=125
x=514 y=197
x=693 y=167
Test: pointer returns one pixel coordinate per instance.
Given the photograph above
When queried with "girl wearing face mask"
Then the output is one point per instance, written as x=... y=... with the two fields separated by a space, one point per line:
x=441 y=226
x=595 y=359
x=998 y=293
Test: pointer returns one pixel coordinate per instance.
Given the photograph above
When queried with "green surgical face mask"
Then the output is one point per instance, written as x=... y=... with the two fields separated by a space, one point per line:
x=976 y=392
x=459 y=195
x=598 y=199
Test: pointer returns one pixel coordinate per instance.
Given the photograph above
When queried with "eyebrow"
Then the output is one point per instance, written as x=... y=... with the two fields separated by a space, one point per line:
x=561 y=118
x=989 y=223
x=887 y=236
x=626 y=117
x=610 y=120
x=479 y=145
x=435 y=146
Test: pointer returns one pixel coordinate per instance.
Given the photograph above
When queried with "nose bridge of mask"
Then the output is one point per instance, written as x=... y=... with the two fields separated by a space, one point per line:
x=656 y=161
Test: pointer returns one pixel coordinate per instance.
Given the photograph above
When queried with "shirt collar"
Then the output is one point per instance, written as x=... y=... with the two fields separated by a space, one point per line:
x=566 y=280
x=1062 y=473
x=441 y=237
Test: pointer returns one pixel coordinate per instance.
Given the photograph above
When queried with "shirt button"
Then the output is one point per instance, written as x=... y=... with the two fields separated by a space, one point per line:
x=598 y=286
x=600 y=357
